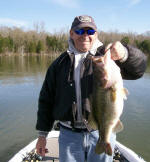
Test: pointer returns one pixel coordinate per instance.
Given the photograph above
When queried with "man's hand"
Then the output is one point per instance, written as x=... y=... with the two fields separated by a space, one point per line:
x=40 y=146
x=117 y=50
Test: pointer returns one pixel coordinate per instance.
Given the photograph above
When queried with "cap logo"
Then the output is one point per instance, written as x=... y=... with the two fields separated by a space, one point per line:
x=85 y=19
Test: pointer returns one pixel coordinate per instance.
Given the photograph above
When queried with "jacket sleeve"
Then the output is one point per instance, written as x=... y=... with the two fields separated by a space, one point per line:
x=46 y=101
x=135 y=65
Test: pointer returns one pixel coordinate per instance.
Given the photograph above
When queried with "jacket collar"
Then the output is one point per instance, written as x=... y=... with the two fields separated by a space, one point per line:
x=73 y=50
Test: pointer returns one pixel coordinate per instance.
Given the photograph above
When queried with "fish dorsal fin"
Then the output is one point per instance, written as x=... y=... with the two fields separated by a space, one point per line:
x=118 y=127
x=125 y=92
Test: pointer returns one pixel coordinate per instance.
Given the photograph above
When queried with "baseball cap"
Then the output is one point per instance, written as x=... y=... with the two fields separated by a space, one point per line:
x=83 y=21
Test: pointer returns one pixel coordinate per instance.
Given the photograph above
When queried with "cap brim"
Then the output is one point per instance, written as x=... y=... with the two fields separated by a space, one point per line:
x=84 y=25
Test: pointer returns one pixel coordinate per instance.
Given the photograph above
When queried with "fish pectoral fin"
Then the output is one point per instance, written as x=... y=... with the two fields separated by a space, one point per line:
x=113 y=95
x=118 y=127
x=92 y=122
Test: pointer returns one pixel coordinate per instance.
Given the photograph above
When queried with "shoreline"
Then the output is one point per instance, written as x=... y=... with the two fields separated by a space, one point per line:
x=53 y=54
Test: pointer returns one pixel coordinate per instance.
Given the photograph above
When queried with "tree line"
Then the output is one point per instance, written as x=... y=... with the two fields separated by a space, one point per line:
x=16 y=40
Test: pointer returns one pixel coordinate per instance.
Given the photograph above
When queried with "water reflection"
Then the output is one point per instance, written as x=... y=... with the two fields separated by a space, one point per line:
x=23 y=64
x=21 y=79
x=19 y=69
x=136 y=115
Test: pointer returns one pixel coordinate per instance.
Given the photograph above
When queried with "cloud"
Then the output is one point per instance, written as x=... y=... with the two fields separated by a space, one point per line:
x=67 y=3
x=12 y=22
x=134 y=2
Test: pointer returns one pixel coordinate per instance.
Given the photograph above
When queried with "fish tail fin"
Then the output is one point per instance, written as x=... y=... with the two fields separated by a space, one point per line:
x=108 y=149
x=103 y=147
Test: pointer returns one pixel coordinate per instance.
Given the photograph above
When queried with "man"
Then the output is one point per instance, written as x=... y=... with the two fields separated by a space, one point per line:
x=68 y=84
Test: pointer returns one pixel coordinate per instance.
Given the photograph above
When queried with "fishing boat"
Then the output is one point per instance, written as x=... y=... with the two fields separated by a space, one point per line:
x=28 y=153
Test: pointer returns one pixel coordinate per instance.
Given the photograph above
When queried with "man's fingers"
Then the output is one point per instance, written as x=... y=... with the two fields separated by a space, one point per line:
x=117 y=51
x=46 y=150
x=41 y=151
x=40 y=146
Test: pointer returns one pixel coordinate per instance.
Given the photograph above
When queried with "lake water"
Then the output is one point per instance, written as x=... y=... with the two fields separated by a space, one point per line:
x=21 y=79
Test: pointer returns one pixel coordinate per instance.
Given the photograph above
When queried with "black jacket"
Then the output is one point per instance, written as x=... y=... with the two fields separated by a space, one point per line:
x=57 y=100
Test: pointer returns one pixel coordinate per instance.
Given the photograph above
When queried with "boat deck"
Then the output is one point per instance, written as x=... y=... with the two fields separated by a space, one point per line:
x=28 y=153
x=53 y=150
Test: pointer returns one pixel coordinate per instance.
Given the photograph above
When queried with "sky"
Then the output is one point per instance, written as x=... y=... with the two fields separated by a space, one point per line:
x=57 y=15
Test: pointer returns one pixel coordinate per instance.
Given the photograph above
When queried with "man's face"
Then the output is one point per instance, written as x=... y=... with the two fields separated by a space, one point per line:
x=83 y=43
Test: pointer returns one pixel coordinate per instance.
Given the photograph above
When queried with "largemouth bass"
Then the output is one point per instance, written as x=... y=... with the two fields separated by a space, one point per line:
x=107 y=101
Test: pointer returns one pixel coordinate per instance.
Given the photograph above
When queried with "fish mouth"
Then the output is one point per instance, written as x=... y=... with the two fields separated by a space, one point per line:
x=97 y=59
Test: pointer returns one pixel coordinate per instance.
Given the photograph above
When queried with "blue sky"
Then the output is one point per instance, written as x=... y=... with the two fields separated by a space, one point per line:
x=57 y=15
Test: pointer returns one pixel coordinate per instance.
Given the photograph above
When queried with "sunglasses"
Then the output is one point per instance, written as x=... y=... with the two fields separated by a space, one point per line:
x=82 y=31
